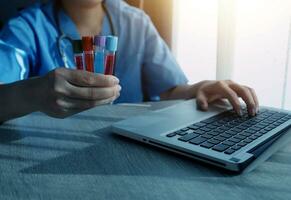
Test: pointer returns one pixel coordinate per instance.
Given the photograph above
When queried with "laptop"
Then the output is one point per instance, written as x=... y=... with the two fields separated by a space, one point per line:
x=218 y=137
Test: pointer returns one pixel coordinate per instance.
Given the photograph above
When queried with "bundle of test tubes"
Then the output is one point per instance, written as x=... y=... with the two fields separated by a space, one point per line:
x=96 y=54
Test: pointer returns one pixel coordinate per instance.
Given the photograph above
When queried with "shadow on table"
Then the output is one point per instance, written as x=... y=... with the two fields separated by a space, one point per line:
x=110 y=154
x=115 y=155
x=9 y=135
x=88 y=117
x=11 y=141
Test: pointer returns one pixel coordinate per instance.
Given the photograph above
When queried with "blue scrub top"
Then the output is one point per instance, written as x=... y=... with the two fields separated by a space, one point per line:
x=145 y=65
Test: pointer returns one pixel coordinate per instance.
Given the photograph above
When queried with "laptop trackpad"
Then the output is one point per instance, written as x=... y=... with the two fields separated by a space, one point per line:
x=168 y=119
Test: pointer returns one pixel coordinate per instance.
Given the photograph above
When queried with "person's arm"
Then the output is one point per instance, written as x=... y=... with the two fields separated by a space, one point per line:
x=162 y=73
x=209 y=91
x=60 y=94
x=17 y=99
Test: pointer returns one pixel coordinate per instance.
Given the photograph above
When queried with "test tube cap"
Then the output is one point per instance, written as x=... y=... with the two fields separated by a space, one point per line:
x=111 y=43
x=100 y=41
x=77 y=46
x=88 y=43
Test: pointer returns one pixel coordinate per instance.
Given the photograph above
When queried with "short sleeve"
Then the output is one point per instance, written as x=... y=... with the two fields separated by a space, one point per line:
x=17 y=50
x=13 y=64
x=161 y=72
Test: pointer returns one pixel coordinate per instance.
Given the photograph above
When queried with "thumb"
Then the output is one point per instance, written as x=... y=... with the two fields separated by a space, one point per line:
x=201 y=100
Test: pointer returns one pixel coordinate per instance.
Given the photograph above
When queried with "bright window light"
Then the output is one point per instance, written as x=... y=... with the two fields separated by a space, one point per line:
x=261 y=52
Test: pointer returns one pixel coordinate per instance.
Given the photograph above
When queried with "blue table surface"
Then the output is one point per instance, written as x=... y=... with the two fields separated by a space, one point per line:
x=79 y=158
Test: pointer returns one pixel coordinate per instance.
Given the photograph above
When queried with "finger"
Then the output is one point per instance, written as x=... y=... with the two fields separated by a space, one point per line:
x=246 y=95
x=231 y=96
x=255 y=97
x=201 y=101
x=88 y=79
x=91 y=93
x=69 y=105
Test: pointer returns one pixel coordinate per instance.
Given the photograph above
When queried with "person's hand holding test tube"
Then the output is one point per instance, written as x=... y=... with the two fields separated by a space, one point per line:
x=65 y=92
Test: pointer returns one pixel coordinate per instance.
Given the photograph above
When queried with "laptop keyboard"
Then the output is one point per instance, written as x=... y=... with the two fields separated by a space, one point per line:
x=227 y=132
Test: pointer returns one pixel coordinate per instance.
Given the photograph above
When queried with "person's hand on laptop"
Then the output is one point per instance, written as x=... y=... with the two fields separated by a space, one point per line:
x=211 y=91
x=207 y=92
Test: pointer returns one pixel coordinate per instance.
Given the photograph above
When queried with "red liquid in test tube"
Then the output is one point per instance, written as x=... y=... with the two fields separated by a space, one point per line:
x=79 y=61
x=88 y=45
x=111 y=48
x=78 y=54
x=109 y=64
x=89 y=61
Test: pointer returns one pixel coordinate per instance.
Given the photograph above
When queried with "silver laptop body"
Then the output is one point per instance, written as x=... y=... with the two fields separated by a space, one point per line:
x=152 y=128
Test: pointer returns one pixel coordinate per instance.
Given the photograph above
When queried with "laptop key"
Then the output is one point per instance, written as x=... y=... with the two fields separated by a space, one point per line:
x=241 y=137
x=184 y=129
x=178 y=132
x=258 y=134
x=242 y=127
x=214 y=141
x=189 y=131
x=199 y=132
x=207 y=136
x=253 y=137
x=209 y=120
x=260 y=126
x=207 y=145
x=235 y=140
x=171 y=134
x=272 y=126
x=229 y=151
x=182 y=133
x=229 y=143
x=205 y=129
x=247 y=140
x=255 y=128
x=193 y=127
x=231 y=132
x=214 y=133
x=268 y=129
x=200 y=124
x=236 y=129
x=242 y=144
x=188 y=137
x=220 y=138
x=224 y=128
x=211 y=126
x=250 y=131
x=220 y=147
x=245 y=134
x=198 y=140
x=225 y=135
x=263 y=131
x=219 y=130
x=277 y=123
x=236 y=147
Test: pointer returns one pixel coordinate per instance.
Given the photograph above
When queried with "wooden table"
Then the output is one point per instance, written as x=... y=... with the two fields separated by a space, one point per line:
x=79 y=158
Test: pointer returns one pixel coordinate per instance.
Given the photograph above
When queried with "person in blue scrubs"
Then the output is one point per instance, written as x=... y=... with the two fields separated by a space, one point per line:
x=34 y=76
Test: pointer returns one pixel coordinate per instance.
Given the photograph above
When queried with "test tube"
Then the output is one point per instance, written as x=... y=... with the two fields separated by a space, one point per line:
x=88 y=52
x=100 y=44
x=78 y=54
x=111 y=48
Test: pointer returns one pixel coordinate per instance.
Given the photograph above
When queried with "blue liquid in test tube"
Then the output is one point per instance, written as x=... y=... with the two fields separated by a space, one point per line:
x=99 y=63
